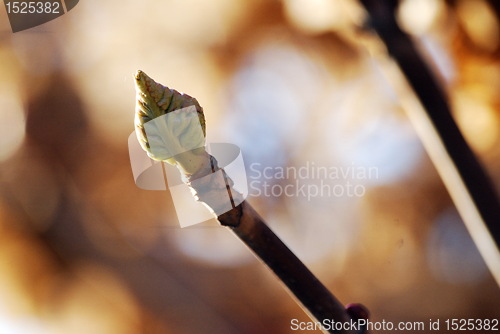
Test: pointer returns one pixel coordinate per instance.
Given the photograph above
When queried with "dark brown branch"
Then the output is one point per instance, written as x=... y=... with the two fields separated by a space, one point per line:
x=309 y=291
x=460 y=157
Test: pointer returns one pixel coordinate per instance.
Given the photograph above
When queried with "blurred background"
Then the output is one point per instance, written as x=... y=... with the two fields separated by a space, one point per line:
x=83 y=250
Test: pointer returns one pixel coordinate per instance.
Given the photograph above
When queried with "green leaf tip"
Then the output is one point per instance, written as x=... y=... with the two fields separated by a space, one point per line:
x=154 y=100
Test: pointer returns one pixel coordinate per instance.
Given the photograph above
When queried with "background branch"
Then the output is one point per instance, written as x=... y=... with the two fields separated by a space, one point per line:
x=468 y=184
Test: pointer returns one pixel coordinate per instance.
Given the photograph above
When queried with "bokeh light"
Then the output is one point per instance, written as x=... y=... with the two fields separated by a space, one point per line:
x=12 y=125
x=451 y=253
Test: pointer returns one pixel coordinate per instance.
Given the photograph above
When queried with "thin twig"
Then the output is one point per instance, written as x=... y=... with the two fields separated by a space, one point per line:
x=309 y=291
x=250 y=228
x=468 y=184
